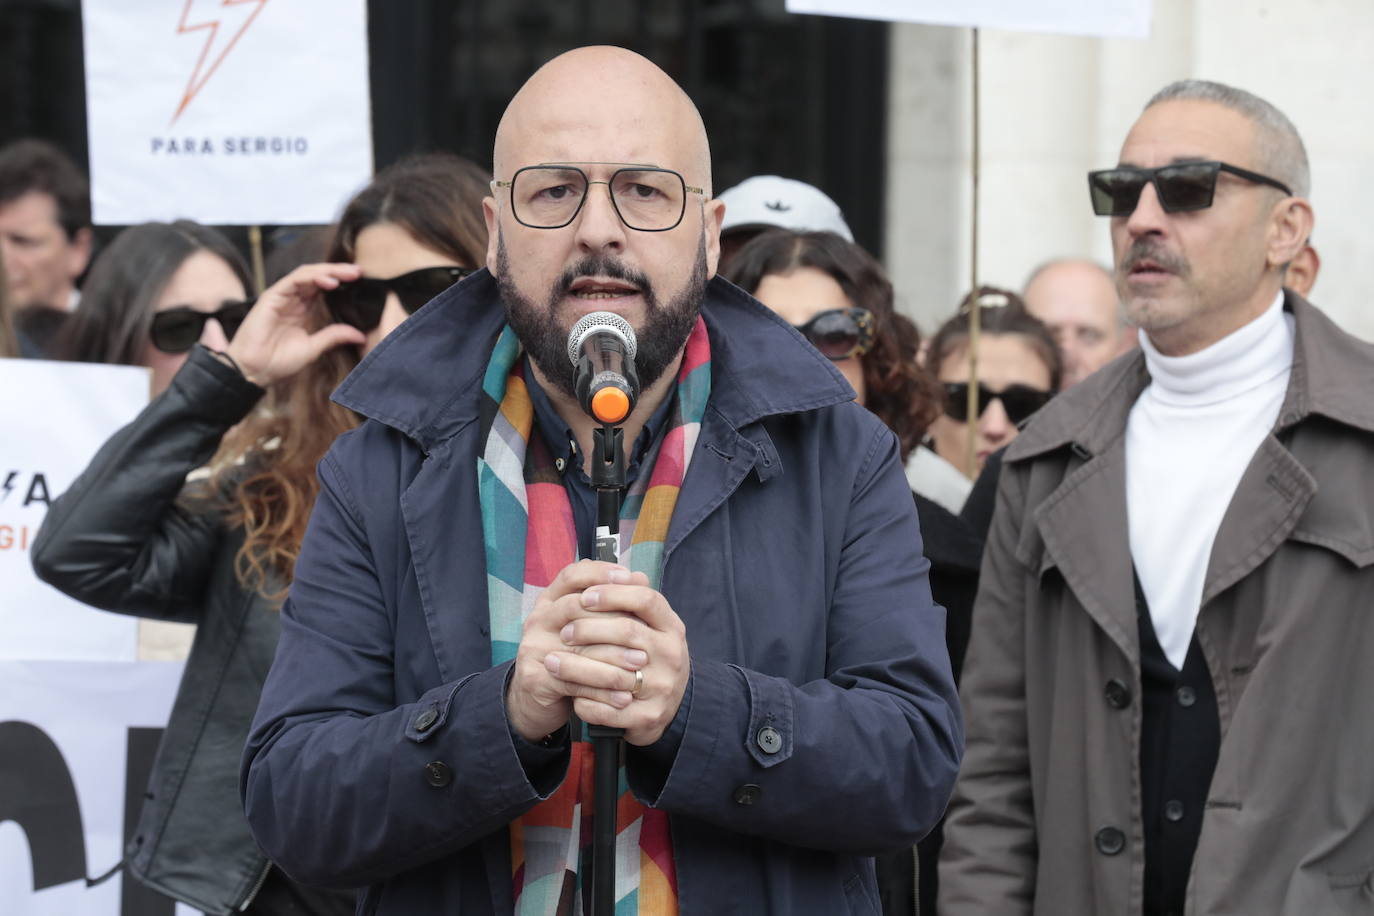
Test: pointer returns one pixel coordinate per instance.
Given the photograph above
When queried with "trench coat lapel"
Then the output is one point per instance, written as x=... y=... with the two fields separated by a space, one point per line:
x=1083 y=526
x=1266 y=507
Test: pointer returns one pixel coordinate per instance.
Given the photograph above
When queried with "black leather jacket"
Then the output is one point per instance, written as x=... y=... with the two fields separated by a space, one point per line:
x=121 y=539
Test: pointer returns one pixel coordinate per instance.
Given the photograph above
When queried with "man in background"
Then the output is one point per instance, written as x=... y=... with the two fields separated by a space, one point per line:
x=45 y=224
x=1077 y=300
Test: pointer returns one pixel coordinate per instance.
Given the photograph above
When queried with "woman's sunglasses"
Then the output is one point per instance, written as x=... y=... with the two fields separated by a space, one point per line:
x=1019 y=401
x=840 y=333
x=177 y=330
x=1180 y=187
x=360 y=302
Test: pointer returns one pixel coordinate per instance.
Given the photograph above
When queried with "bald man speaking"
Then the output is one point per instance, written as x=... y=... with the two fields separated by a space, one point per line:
x=767 y=641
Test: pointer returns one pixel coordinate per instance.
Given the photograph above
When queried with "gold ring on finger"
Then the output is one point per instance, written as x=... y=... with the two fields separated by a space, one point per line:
x=639 y=684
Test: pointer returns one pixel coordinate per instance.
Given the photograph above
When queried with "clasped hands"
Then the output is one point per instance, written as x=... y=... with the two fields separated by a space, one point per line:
x=595 y=632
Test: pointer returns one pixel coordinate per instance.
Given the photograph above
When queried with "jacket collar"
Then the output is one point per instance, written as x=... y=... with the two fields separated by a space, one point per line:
x=425 y=378
x=1330 y=378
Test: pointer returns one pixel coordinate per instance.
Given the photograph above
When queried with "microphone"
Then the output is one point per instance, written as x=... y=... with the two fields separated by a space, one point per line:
x=602 y=347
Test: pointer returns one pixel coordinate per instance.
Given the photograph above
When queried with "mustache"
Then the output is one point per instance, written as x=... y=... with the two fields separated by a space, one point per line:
x=604 y=266
x=1149 y=249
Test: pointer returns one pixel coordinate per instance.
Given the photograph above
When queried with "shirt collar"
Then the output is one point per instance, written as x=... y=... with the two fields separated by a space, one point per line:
x=559 y=437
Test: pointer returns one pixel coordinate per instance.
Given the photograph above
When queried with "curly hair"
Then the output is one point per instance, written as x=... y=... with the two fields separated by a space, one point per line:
x=436 y=199
x=898 y=390
x=1000 y=311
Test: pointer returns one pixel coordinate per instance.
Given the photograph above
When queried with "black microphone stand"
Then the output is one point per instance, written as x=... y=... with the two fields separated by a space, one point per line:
x=608 y=476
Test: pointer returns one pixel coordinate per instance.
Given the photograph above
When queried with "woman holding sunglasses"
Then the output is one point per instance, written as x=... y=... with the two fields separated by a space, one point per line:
x=251 y=403
x=840 y=299
x=1018 y=373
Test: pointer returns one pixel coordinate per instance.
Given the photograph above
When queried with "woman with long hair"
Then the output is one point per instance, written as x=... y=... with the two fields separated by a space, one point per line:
x=839 y=297
x=133 y=536
x=153 y=294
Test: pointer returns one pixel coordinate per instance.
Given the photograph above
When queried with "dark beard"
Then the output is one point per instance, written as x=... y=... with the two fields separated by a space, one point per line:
x=659 y=342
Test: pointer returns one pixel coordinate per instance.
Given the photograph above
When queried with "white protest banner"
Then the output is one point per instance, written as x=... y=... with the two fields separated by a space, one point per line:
x=1104 y=18
x=53 y=418
x=230 y=112
x=75 y=742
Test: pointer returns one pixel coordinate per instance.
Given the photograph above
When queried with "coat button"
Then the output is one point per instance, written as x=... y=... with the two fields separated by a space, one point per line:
x=1173 y=810
x=747 y=794
x=1110 y=841
x=425 y=719
x=1117 y=693
x=1186 y=696
x=438 y=774
x=768 y=740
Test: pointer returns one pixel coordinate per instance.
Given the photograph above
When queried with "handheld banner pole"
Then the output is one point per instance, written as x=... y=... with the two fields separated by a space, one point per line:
x=975 y=314
x=255 y=251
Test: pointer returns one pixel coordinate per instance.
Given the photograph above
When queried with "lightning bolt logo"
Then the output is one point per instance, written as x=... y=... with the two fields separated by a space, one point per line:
x=202 y=73
x=8 y=486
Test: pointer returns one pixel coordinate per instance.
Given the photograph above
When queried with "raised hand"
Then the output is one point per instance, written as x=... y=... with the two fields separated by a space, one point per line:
x=274 y=342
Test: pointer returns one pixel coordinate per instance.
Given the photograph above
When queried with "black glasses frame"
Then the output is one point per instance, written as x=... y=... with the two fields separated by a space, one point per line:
x=1019 y=401
x=360 y=302
x=171 y=330
x=1174 y=184
x=862 y=320
x=588 y=182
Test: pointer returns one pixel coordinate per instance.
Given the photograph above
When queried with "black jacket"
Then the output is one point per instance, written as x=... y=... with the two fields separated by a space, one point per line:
x=955 y=551
x=125 y=538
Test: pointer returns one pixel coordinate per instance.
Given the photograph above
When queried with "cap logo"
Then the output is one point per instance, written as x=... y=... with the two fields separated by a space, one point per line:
x=777 y=205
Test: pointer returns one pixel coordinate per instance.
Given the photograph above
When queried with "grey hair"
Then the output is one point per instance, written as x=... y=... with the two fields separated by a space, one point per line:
x=1281 y=151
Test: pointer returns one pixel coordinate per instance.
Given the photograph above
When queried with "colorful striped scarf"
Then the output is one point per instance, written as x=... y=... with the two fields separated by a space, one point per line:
x=527 y=527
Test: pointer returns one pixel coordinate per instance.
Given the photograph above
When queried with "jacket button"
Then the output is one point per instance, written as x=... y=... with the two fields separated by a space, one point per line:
x=768 y=740
x=1110 y=841
x=438 y=774
x=747 y=794
x=1186 y=696
x=1118 y=694
x=1173 y=811
x=425 y=719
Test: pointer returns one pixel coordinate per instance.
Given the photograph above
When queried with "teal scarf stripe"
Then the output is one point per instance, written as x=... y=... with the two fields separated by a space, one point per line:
x=498 y=367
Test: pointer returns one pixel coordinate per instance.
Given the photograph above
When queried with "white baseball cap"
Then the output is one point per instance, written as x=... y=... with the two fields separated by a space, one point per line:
x=768 y=200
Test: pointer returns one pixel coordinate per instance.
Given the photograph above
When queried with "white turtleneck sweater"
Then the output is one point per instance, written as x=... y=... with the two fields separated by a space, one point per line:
x=1190 y=436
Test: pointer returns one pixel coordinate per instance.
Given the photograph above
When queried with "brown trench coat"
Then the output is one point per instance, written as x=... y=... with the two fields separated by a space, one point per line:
x=1286 y=627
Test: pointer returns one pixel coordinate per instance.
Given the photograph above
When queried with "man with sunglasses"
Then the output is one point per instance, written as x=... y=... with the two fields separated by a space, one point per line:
x=1168 y=687
x=768 y=644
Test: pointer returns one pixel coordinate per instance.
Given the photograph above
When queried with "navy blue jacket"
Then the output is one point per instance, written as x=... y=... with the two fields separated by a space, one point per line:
x=794 y=559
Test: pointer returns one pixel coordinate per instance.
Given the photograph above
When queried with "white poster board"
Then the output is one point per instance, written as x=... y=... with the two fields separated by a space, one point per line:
x=65 y=737
x=53 y=418
x=228 y=112
x=1104 y=18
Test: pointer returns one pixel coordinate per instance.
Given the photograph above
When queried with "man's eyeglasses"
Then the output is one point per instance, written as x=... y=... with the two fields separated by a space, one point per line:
x=360 y=302
x=1180 y=187
x=176 y=330
x=1019 y=401
x=646 y=198
x=840 y=333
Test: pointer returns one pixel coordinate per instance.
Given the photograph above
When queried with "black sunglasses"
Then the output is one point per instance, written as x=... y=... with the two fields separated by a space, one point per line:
x=1180 y=187
x=360 y=302
x=840 y=333
x=1019 y=401
x=177 y=330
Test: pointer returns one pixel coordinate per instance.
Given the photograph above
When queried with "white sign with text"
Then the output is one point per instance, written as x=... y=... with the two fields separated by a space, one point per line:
x=53 y=418
x=1103 y=18
x=229 y=112
x=68 y=734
